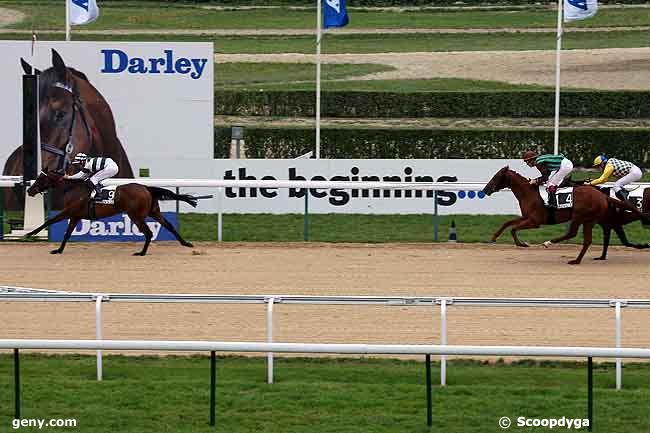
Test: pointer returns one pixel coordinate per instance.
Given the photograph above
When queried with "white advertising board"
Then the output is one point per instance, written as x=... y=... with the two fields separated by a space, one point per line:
x=278 y=201
x=145 y=105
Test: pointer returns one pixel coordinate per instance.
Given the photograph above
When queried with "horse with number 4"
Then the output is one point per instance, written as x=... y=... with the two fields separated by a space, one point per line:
x=138 y=201
x=590 y=206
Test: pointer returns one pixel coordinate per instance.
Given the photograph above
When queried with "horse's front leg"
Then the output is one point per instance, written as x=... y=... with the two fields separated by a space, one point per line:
x=505 y=225
x=607 y=233
x=71 y=225
x=586 y=242
x=523 y=225
x=58 y=217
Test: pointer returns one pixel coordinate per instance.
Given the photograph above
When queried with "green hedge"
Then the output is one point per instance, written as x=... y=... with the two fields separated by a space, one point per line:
x=612 y=105
x=376 y=3
x=579 y=145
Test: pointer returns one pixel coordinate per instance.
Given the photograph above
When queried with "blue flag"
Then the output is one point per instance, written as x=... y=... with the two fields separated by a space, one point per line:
x=335 y=14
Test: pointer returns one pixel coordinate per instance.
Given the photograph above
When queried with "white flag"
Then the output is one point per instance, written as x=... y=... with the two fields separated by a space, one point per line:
x=579 y=9
x=83 y=11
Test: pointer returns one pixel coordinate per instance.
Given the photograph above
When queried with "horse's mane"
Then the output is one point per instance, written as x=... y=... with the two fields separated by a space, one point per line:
x=514 y=173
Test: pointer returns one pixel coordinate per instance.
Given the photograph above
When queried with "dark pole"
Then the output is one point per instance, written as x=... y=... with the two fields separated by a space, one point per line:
x=178 y=191
x=213 y=387
x=17 y=383
x=590 y=393
x=429 y=408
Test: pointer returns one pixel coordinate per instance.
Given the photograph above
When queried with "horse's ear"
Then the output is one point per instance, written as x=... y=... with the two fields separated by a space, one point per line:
x=59 y=66
x=27 y=68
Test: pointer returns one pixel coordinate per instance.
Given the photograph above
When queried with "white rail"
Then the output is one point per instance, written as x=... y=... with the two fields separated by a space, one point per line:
x=361 y=349
x=20 y=294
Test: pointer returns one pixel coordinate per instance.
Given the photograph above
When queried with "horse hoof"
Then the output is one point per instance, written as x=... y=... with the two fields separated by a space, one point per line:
x=492 y=241
x=574 y=262
x=547 y=244
x=188 y=244
x=141 y=254
x=599 y=258
x=523 y=244
x=56 y=252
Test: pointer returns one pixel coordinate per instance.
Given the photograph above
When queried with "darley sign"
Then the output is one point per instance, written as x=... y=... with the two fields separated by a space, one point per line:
x=118 y=228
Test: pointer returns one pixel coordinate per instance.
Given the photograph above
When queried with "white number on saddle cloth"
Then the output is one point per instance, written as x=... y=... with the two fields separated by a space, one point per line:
x=636 y=197
x=107 y=196
x=564 y=197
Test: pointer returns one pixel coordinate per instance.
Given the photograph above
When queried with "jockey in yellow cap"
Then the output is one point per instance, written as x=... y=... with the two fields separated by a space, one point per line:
x=625 y=171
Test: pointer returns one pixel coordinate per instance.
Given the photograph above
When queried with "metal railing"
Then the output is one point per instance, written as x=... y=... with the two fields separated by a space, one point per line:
x=16 y=294
x=387 y=349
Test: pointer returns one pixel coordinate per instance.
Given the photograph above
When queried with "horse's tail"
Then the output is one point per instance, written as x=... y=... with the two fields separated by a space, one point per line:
x=165 y=194
x=645 y=218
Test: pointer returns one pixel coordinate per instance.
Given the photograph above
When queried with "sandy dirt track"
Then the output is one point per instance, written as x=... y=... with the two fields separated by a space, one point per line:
x=624 y=69
x=327 y=269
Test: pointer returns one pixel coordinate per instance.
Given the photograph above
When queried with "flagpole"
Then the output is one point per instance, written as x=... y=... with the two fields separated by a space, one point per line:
x=67 y=20
x=318 y=39
x=558 y=49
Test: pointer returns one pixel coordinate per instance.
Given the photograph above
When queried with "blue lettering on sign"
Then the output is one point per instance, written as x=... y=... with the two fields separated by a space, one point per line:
x=580 y=4
x=118 y=228
x=81 y=3
x=117 y=61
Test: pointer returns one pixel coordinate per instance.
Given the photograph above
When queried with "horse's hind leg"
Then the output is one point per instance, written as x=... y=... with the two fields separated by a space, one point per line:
x=586 y=242
x=571 y=233
x=607 y=233
x=158 y=216
x=146 y=231
x=623 y=237
x=71 y=225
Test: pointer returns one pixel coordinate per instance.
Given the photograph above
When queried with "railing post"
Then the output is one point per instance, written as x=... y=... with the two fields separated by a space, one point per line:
x=619 y=372
x=98 y=333
x=305 y=228
x=436 y=222
x=269 y=338
x=443 y=341
x=16 y=384
x=429 y=399
x=213 y=387
x=590 y=393
x=219 y=214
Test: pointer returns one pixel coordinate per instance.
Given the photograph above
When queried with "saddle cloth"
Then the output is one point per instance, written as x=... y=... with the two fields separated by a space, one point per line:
x=564 y=197
x=636 y=197
x=105 y=196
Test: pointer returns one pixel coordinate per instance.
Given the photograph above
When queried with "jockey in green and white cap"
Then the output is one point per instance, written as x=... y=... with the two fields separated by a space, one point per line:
x=94 y=169
x=554 y=169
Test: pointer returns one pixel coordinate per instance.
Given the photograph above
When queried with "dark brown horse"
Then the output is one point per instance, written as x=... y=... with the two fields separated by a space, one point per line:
x=74 y=117
x=138 y=201
x=590 y=207
x=616 y=220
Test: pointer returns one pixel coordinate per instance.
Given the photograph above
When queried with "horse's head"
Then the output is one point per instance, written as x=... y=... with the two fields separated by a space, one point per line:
x=64 y=122
x=43 y=182
x=499 y=181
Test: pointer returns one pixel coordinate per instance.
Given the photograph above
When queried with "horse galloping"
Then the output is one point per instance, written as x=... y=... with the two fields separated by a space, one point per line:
x=590 y=207
x=138 y=201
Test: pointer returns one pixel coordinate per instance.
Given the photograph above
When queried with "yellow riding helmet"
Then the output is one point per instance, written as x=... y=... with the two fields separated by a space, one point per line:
x=600 y=159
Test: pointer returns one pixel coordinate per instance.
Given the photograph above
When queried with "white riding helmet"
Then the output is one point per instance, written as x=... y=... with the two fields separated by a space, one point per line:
x=80 y=158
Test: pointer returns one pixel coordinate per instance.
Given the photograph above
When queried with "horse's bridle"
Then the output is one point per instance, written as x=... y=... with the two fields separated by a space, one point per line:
x=64 y=155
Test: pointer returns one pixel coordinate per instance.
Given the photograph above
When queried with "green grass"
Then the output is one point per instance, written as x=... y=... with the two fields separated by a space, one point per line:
x=258 y=75
x=338 y=44
x=371 y=228
x=149 y=15
x=171 y=395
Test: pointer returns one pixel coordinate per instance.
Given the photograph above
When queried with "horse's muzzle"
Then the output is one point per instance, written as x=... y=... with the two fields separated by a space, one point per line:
x=486 y=191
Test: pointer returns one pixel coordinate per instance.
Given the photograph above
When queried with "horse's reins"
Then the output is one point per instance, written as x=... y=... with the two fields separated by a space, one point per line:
x=77 y=106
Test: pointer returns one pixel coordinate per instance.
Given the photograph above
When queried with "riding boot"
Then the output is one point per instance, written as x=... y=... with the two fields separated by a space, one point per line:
x=622 y=196
x=93 y=188
x=552 y=197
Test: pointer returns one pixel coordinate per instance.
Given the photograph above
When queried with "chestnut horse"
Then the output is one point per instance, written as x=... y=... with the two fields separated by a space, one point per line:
x=138 y=201
x=590 y=207
x=74 y=117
